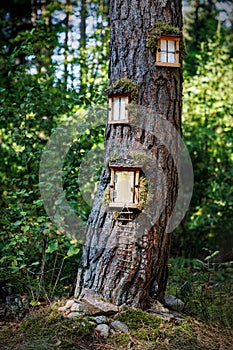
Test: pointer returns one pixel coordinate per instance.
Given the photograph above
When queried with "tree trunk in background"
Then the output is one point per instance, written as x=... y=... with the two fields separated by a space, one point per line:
x=68 y=10
x=83 y=44
x=127 y=264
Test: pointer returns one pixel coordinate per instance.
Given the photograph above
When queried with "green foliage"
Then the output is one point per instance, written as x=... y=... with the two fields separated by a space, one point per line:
x=205 y=287
x=207 y=125
x=35 y=256
x=202 y=20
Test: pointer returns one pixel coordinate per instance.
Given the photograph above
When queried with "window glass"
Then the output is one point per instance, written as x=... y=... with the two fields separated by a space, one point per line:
x=124 y=187
x=116 y=107
x=171 y=45
x=167 y=52
x=164 y=45
x=171 y=58
x=163 y=57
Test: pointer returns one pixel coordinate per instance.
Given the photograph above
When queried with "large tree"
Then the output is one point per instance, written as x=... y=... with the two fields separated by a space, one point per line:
x=125 y=257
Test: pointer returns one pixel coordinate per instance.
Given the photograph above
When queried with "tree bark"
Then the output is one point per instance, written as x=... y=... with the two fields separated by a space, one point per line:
x=128 y=264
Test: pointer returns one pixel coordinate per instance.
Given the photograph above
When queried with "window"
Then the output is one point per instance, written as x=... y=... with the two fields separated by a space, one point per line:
x=124 y=187
x=168 y=52
x=118 y=112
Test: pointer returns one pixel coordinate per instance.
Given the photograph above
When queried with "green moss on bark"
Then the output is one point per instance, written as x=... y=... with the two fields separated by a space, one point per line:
x=123 y=86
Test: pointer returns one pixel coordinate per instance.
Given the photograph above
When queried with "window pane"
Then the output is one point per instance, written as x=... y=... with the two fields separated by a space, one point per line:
x=171 y=45
x=122 y=107
x=124 y=187
x=116 y=109
x=163 y=57
x=171 y=58
x=164 y=45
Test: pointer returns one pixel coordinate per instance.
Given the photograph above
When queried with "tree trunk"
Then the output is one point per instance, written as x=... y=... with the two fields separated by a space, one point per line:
x=127 y=264
x=83 y=43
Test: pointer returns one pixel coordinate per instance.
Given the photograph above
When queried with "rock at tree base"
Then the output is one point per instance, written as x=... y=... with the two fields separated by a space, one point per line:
x=174 y=303
x=103 y=330
x=94 y=305
x=100 y=319
x=73 y=315
x=119 y=326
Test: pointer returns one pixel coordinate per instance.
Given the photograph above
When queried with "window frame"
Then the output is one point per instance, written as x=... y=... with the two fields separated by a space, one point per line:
x=135 y=186
x=176 y=40
x=111 y=119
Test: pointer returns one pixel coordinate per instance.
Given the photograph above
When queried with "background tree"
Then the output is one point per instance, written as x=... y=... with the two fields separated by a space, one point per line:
x=201 y=24
x=37 y=94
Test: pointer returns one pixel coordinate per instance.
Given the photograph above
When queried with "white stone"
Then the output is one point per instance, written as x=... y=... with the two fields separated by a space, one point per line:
x=69 y=303
x=63 y=308
x=73 y=314
x=77 y=307
x=103 y=330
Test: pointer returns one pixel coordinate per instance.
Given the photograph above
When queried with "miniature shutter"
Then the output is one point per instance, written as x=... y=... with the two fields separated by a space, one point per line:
x=136 y=193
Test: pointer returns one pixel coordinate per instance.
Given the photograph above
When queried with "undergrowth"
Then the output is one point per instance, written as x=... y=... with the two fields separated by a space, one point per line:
x=205 y=288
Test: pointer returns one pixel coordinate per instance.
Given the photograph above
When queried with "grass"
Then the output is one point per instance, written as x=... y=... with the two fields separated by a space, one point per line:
x=205 y=289
x=47 y=329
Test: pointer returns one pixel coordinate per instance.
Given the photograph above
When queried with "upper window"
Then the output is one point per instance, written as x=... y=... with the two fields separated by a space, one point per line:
x=168 y=52
x=118 y=112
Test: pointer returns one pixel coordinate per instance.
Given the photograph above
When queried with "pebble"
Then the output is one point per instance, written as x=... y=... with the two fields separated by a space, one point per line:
x=101 y=319
x=77 y=307
x=119 y=326
x=103 y=330
x=73 y=314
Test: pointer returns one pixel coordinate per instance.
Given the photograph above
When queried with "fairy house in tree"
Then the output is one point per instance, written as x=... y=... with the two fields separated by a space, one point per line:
x=126 y=252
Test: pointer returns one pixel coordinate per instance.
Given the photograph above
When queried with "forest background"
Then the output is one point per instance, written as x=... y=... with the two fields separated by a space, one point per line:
x=54 y=67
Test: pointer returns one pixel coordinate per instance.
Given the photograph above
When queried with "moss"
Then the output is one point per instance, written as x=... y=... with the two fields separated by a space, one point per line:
x=141 y=158
x=123 y=86
x=54 y=324
x=107 y=196
x=148 y=334
x=183 y=50
x=161 y=28
x=116 y=215
x=120 y=339
x=136 y=318
x=134 y=111
x=143 y=192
